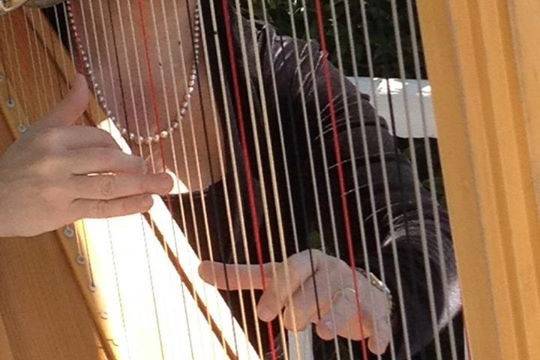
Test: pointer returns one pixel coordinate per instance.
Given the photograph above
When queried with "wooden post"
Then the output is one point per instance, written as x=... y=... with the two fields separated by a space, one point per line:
x=476 y=54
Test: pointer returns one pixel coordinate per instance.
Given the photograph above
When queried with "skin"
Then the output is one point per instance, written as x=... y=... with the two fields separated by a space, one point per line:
x=46 y=172
x=290 y=289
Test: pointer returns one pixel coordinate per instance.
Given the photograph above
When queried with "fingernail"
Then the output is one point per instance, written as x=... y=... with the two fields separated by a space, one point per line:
x=329 y=325
x=265 y=314
x=147 y=202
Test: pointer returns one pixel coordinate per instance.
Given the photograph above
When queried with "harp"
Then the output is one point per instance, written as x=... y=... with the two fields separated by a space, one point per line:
x=129 y=287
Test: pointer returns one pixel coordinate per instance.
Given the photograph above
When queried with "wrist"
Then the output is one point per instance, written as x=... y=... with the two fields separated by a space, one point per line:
x=379 y=285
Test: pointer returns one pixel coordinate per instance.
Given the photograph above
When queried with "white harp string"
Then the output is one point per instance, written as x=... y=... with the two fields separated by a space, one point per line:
x=229 y=175
x=365 y=155
x=431 y=178
x=417 y=186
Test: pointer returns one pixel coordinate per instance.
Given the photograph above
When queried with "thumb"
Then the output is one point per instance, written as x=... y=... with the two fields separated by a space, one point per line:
x=71 y=107
x=230 y=276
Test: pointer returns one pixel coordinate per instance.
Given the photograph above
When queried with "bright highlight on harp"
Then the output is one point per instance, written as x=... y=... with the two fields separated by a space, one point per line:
x=309 y=218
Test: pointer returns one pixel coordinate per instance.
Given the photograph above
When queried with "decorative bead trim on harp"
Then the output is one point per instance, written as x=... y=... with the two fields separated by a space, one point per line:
x=288 y=185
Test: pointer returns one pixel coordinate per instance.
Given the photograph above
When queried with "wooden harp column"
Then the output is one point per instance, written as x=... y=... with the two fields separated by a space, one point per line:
x=483 y=62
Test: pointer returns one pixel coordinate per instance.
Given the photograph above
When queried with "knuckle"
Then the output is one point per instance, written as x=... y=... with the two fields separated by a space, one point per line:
x=50 y=137
x=104 y=155
x=47 y=166
x=106 y=186
x=99 y=208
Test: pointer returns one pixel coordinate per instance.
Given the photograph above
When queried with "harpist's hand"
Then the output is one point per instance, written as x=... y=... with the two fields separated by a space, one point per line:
x=44 y=182
x=336 y=296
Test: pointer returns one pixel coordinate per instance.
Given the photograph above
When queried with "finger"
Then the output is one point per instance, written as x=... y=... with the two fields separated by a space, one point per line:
x=108 y=187
x=232 y=276
x=77 y=137
x=288 y=277
x=379 y=342
x=100 y=209
x=103 y=160
x=343 y=320
x=71 y=107
x=310 y=302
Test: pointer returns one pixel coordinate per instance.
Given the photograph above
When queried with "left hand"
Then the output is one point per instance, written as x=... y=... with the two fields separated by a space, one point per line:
x=290 y=285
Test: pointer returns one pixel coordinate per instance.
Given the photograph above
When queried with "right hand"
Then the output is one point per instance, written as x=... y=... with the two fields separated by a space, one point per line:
x=59 y=172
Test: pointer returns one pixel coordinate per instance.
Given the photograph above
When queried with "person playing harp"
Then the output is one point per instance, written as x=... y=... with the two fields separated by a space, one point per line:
x=286 y=162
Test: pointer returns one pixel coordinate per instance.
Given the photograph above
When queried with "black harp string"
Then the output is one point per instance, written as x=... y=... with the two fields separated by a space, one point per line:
x=431 y=178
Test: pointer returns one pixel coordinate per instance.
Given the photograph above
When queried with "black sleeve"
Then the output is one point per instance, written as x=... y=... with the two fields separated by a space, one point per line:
x=303 y=98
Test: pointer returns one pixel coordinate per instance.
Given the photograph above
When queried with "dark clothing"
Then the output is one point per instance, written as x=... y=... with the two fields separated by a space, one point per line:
x=298 y=117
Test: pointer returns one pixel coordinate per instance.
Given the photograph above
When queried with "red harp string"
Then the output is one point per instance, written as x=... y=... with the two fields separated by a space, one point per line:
x=339 y=165
x=246 y=158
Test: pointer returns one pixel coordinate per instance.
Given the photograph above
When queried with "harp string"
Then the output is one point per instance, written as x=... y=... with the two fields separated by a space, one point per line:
x=309 y=137
x=273 y=181
x=417 y=186
x=276 y=100
x=43 y=84
x=73 y=71
x=145 y=240
x=138 y=131
x=247 y=162
x=354 y=157
x=31 y=21
x=172 y=137
x=235 y=163
x=11 y=91
x=114 y=261
x=431 y=177
x=127 y=57
x=387 y=197
x=70 y=71
x=42 y=107
x=203 y=113
x=224 y=183
x=54 y=90
x=339 y=164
